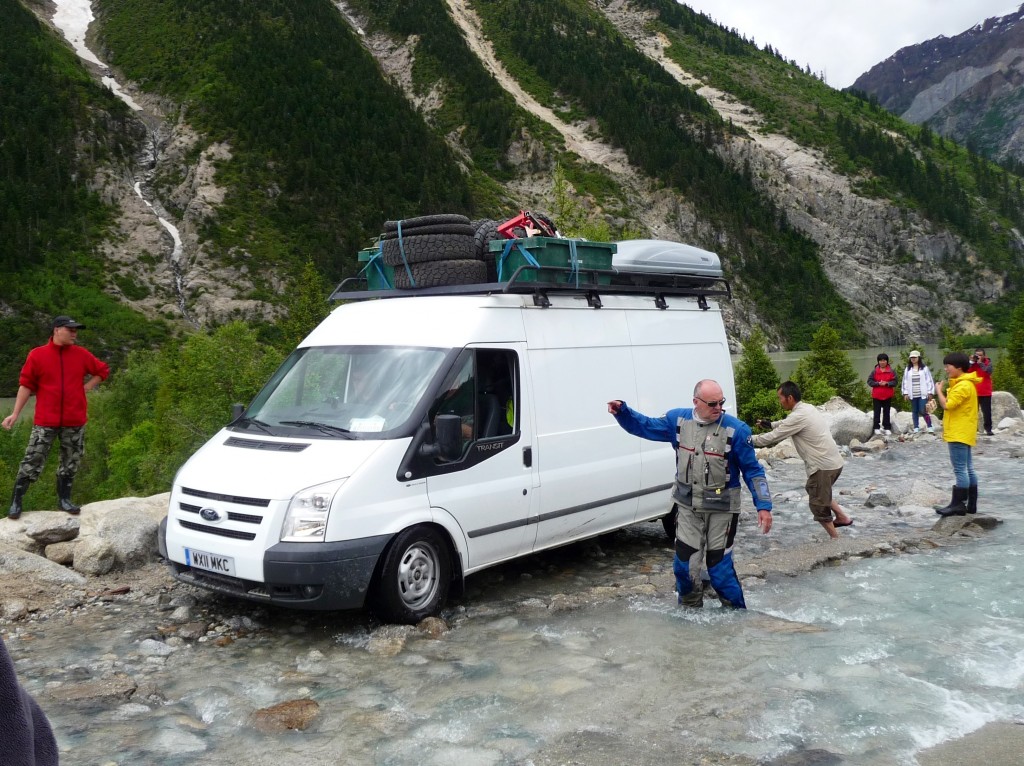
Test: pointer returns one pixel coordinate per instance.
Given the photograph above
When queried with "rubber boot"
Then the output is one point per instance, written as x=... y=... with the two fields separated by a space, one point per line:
x=20 y=488
x=972 y=499
x=957 y=506
x=64 y=495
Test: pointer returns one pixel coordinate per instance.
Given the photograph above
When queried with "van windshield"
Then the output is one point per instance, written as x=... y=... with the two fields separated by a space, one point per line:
x=344 y=391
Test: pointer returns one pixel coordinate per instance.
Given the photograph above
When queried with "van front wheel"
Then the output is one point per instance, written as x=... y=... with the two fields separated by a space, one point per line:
x=414 y=577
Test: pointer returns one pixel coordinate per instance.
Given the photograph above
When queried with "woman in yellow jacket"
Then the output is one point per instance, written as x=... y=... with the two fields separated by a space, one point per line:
x=960 y=430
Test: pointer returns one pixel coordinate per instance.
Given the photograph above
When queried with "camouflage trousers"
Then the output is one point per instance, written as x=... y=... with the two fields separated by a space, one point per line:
x=72 y=446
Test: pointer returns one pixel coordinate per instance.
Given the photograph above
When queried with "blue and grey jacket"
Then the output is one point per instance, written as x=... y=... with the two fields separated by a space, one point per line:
x=710 y=458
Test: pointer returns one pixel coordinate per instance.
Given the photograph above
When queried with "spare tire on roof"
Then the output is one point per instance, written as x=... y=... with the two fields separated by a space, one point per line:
x=485 y=232
x=442 y=228
x=425 y=220
x=439 y=273
x=427 y=247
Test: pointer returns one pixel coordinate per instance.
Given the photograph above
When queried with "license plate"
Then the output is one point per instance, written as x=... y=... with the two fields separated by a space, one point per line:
x=210 y=561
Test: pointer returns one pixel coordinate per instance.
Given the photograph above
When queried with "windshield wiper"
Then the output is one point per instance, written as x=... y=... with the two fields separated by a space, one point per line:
x=323 y=427
x=258 y=423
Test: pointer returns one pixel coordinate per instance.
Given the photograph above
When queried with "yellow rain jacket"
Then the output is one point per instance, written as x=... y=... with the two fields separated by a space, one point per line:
x=960 y=423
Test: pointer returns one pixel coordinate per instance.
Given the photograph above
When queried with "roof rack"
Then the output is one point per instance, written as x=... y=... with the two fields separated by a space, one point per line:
x=593 y=283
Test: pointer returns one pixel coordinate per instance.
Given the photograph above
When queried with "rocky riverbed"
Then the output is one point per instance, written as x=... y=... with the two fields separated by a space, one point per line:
x=134 y=667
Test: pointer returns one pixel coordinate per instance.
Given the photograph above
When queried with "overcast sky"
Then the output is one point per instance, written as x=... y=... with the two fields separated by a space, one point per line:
x=846 y=39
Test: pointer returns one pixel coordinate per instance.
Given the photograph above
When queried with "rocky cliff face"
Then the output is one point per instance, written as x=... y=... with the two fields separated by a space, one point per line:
x=966 y=87
x=885 y=261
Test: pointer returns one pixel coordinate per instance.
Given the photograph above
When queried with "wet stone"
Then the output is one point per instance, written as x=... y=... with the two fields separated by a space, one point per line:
x=434 y=627
x=293 y=714
x=117 y=687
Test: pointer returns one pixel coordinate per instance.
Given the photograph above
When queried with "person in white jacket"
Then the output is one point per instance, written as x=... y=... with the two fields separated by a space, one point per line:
x=918 y=386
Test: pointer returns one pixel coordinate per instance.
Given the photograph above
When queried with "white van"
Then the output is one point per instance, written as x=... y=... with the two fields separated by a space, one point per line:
x=412 y=440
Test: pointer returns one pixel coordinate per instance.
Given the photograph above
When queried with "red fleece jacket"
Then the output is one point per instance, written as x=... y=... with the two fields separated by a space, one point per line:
x=56 y=374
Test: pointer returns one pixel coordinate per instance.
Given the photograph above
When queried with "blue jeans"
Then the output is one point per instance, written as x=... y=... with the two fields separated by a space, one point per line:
x=963 y=466
x=918 y=408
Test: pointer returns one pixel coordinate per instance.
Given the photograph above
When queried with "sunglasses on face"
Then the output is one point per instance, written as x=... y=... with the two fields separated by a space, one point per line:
x=720 y=403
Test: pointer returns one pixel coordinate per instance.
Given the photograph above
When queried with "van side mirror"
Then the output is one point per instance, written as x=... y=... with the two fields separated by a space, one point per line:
x=236 y=411
x=449 y=436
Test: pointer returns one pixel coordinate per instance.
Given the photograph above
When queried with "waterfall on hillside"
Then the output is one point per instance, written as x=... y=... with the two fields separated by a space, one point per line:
x=72 y=18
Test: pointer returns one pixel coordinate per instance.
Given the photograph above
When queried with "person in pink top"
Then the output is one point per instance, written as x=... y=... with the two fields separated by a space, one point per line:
x=883 y=385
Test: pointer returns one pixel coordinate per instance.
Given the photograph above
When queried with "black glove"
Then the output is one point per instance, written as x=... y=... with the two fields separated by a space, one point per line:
x=764 y=423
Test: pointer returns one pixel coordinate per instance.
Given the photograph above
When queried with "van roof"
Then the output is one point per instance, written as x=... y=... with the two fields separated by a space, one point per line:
x=449 y=321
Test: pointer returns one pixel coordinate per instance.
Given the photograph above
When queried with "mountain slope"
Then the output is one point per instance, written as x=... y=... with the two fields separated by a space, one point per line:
x=283 y=132
x=966 y=87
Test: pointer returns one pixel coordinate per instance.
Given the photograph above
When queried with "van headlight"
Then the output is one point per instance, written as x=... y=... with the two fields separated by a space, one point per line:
x=306 y=518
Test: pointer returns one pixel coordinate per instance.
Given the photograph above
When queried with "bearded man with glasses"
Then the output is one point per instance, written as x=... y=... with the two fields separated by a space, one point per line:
x=712 y=450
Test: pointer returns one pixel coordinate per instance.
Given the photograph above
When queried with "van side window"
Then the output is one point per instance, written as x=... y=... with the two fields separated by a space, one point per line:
x=482 y=391
x=497 y=394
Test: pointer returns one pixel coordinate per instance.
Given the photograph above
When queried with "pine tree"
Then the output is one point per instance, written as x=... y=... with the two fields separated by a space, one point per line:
x=756 y=381
x=827 y=368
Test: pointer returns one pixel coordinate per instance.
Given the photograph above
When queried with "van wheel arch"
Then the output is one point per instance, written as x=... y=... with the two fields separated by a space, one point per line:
x=415 y=574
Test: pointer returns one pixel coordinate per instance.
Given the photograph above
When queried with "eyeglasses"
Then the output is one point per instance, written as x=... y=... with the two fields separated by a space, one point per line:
x=720 y=403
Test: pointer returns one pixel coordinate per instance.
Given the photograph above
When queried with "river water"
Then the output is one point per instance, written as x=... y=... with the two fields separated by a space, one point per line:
x=868 y=662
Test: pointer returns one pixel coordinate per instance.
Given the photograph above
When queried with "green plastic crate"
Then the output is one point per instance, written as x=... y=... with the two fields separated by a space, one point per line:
x=552 y=251
x=379 y=276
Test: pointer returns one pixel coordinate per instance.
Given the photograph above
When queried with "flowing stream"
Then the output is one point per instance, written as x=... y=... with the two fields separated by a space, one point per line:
x=865 y=663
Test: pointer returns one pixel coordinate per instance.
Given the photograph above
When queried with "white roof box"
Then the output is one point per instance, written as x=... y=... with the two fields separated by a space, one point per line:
x=658 y=256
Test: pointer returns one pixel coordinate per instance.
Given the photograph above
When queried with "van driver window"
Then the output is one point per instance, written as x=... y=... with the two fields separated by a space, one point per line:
x=481 y=391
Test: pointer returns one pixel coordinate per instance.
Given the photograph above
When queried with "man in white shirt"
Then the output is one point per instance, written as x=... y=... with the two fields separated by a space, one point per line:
x=816 y=447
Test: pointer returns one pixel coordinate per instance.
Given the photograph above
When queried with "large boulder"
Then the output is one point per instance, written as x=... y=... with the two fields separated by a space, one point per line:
x=119 y=534
x=845 y=421
x=1004 y=405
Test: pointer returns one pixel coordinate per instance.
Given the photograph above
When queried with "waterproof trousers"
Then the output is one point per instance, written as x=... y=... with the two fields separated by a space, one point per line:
x=706 y=540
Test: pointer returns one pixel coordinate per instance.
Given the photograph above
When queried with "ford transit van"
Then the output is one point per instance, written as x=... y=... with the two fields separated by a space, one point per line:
x=418 y=437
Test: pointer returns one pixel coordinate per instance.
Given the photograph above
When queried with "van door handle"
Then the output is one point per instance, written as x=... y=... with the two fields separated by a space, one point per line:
x=528 y=456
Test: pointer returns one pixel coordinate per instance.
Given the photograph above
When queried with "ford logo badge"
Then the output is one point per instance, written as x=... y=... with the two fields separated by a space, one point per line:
x=211 y=514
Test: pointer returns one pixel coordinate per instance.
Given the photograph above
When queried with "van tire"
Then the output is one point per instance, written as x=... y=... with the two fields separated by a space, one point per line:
x=669 y=522
x=426 y=248
x=414 y=578
x=444 y=228
x=440 y=273
x=425 y=220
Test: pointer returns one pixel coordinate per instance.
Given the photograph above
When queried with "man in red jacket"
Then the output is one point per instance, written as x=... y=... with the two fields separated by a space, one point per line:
x=982 y=366
x=59 y=374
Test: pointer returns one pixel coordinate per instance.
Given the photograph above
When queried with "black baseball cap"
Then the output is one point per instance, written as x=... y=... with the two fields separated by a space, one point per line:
x=66 y=321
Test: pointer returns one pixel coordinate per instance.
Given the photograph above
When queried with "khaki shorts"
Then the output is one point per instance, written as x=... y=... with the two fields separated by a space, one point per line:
x=819 y=492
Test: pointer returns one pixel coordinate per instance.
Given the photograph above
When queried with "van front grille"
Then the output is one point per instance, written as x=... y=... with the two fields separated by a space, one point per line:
x=245 y=518
x=236 y=534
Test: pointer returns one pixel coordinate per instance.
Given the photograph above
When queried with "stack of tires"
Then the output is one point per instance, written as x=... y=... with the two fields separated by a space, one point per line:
x=432 y=250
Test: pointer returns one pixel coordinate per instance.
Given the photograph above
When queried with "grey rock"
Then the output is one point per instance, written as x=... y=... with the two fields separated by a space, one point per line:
x=181 y=615
x=47 y=527
x=15 y=563
x=150 y=647
x=112 y=689
x=94 y=556
x=1004 y=405
x=61 y=553
x=879 y=497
